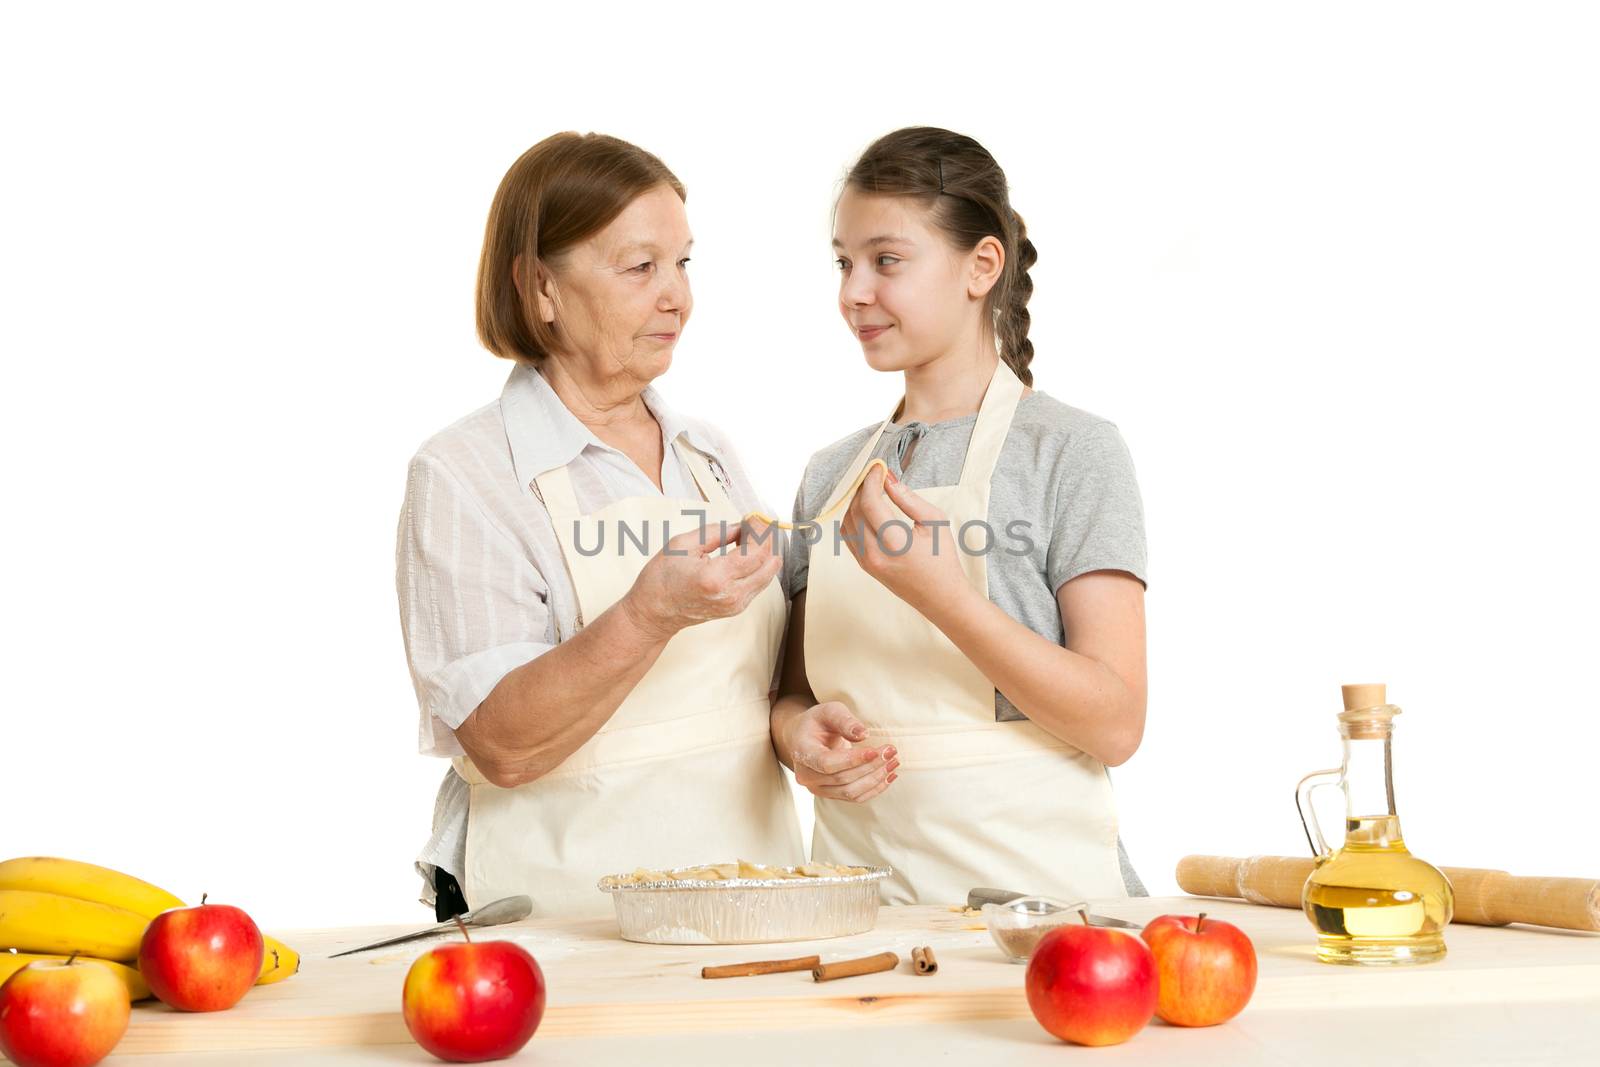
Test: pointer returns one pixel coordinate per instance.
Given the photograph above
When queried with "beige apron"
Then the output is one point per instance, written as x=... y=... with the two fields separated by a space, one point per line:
x=977 y=802
x=682 y=773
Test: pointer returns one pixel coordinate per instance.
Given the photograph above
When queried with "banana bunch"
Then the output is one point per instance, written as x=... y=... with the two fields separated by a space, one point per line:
x=55 y=907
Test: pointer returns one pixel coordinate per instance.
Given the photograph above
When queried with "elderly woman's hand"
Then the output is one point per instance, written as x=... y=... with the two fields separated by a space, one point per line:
x=689 y=583
x=822 y=749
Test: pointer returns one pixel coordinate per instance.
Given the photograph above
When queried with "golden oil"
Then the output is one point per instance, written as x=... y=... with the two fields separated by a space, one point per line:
x=1370 y=900
x=1373 y=902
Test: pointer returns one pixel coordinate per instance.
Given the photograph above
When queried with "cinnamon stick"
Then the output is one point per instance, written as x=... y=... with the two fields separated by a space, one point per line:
x=922 y=959
x=746 y=970
x=883 y=961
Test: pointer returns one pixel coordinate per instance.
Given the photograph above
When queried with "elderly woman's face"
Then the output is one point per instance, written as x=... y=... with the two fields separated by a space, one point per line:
x=623 y=294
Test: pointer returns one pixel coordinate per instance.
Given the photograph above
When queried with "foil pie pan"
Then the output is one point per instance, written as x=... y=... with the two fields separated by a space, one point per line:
x=743 y=911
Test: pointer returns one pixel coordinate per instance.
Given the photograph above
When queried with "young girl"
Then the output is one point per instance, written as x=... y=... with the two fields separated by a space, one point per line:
x=966 y=650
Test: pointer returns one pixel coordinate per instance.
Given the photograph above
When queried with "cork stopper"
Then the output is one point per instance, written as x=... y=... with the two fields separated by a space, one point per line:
x=1367 y=715
x=1357 y=697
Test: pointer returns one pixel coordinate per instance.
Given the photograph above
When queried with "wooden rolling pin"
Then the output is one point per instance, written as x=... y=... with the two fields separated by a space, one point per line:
x=1483 y=898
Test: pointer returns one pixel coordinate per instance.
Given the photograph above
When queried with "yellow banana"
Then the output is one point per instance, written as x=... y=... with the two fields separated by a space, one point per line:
x=85 y=881
x=12 y=962
x=278 y=962
x=51 y=923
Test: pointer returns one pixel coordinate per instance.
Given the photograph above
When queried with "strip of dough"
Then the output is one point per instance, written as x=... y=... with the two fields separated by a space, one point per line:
x=837 y=504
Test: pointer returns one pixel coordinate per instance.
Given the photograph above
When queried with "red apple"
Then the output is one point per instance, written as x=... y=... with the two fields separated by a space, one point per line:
x=1091 y=985
x=61 y=1014
x=1207 y=969
x=201 y=959
x=474 y=1001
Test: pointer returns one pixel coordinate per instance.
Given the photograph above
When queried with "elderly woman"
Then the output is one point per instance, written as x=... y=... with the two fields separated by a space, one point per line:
x=603 y=691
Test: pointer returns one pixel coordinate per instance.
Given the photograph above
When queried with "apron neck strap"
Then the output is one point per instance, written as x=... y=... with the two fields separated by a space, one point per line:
x=710 y=487
x=554 y=487
x=994 y=423
x=854 y=467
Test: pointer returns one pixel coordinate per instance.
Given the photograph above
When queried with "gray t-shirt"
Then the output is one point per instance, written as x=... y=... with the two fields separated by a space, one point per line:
x=1063 y=472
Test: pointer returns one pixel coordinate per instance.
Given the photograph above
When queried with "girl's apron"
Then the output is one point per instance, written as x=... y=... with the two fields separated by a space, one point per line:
x=977 y=802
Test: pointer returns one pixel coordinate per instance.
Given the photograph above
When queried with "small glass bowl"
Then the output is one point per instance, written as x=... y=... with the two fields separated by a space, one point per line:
x=1017 y=925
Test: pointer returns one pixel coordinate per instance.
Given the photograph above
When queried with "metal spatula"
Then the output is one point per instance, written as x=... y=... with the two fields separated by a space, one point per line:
x=506 y=910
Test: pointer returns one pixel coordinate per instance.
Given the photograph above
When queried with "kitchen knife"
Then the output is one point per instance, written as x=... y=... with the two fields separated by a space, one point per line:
x=505 y=910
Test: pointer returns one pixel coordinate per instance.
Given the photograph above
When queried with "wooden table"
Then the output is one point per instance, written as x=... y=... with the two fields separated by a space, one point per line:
x=1506 y=995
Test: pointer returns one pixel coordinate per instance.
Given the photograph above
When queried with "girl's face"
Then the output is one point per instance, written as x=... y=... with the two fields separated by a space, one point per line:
x=906 y=294
x=620 y=299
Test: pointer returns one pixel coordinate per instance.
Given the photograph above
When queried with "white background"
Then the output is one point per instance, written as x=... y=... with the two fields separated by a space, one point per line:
x=1331 y=269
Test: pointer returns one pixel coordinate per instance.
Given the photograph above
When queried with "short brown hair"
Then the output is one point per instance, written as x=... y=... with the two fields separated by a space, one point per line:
x=561 y=191
x=959 y=181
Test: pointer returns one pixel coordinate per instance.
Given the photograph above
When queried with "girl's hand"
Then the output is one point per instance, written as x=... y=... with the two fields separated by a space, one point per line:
x=823 y=752
x=919 y=565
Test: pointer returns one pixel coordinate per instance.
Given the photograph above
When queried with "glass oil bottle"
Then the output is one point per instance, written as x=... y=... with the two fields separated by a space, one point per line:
x=1372 y=902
